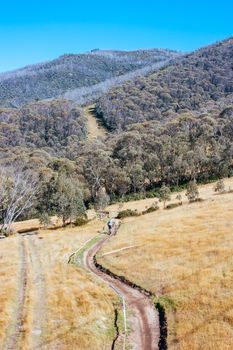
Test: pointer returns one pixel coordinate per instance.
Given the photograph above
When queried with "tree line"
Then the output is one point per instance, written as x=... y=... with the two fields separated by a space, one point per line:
x=141 y=159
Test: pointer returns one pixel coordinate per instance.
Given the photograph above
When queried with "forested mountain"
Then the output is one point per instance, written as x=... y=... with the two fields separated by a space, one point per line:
x=172 y=126
x=189 y=84
x=68 y=72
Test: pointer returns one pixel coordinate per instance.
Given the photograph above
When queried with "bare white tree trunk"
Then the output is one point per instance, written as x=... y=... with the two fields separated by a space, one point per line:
x=18 y=188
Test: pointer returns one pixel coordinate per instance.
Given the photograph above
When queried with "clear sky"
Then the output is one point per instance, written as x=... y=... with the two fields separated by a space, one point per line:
x=38 y=30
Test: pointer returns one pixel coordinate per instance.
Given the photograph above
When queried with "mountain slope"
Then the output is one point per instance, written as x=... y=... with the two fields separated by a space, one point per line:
x=68 y=72
x=56 y=126
x=188 y=84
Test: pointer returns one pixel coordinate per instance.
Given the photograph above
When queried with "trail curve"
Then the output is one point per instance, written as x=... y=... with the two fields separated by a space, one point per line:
x=145 y=321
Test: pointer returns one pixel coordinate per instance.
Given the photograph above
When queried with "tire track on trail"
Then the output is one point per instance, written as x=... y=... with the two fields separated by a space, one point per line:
x=39 y=309
x=29 y=300
x=15 y=336
x=145 y=320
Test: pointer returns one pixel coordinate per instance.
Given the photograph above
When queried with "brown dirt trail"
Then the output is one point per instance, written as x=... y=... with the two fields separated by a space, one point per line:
x=145 y=321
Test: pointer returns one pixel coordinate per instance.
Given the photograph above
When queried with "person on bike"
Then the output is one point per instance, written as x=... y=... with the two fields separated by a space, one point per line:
x=110 y=225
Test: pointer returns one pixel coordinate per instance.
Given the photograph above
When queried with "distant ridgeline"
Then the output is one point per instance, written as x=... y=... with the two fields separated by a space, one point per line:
x=68 y=72
x=196 y=82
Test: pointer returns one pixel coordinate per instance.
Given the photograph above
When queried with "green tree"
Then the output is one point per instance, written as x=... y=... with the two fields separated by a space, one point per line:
x=192 y=192
x=68 y=199
x=102 y=199
x=179 y=198
x=219 y=186
x=45 y=219
x=165 y=194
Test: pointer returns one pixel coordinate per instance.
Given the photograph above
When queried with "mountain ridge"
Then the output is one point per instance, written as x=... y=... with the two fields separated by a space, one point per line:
x=193 y=81
x=51 y=79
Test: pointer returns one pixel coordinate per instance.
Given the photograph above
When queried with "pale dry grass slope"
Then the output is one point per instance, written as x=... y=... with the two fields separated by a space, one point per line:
x=183 y=255
x=9 y=268
x=73 y=309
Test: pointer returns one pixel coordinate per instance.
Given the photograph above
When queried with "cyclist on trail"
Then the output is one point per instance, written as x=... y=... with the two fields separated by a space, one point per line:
x=110 y=225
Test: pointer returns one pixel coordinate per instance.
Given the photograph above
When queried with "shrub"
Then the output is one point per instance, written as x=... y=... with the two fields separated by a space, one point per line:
x=192 y=191
x=127 y=213
x=179 y=198
x=80 y=221
x=173 y=205
x=151 y=209
x=165 y=194
x=7 y=233
x=219 y=186
x=196 y=200
x=45 y=220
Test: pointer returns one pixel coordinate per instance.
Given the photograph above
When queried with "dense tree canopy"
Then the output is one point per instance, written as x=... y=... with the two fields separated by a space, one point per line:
x=57 y=126
x=173 y=127
x=189 y=84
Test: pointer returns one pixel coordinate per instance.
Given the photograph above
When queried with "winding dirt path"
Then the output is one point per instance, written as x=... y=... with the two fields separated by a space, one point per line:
x=145 y=320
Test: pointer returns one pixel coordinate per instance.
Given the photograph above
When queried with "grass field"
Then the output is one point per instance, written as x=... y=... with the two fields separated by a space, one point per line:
x=71 y=308
x=184 y=256
x=9 y=265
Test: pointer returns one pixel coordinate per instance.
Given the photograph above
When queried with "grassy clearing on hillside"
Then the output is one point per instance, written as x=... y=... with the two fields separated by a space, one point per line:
x=185 y=258
x=95 y=129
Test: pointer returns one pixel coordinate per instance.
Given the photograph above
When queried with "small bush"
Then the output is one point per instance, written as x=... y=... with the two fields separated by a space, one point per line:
x=80 y=221
x=219 y=187
x=127 y=213
x=7 y=233
x=45 y=219
x=151 y=209
x=196 y=200
x=166 y=302
x=173 y=205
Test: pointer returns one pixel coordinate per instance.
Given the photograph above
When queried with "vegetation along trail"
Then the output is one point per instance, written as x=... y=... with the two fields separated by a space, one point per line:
x=144 y=323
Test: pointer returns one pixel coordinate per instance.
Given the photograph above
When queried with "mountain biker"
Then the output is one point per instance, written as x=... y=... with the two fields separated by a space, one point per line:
x=110 y=225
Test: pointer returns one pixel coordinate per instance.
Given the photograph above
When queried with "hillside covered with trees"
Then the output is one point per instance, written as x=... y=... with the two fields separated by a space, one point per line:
x=70 y=71
x=44 y=145
x=190 y=84
x=56 y=126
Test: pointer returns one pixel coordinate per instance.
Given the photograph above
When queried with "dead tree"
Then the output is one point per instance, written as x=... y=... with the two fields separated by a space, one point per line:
x=18 y=188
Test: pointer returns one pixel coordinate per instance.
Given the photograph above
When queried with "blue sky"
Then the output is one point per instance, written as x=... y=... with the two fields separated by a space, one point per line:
x=35 y=31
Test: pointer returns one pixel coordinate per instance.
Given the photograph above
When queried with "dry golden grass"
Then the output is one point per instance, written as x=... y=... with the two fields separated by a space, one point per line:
x=76 y=309
x=185 y=254
x=79 y=307
x=34 y=224
x=9 y=268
